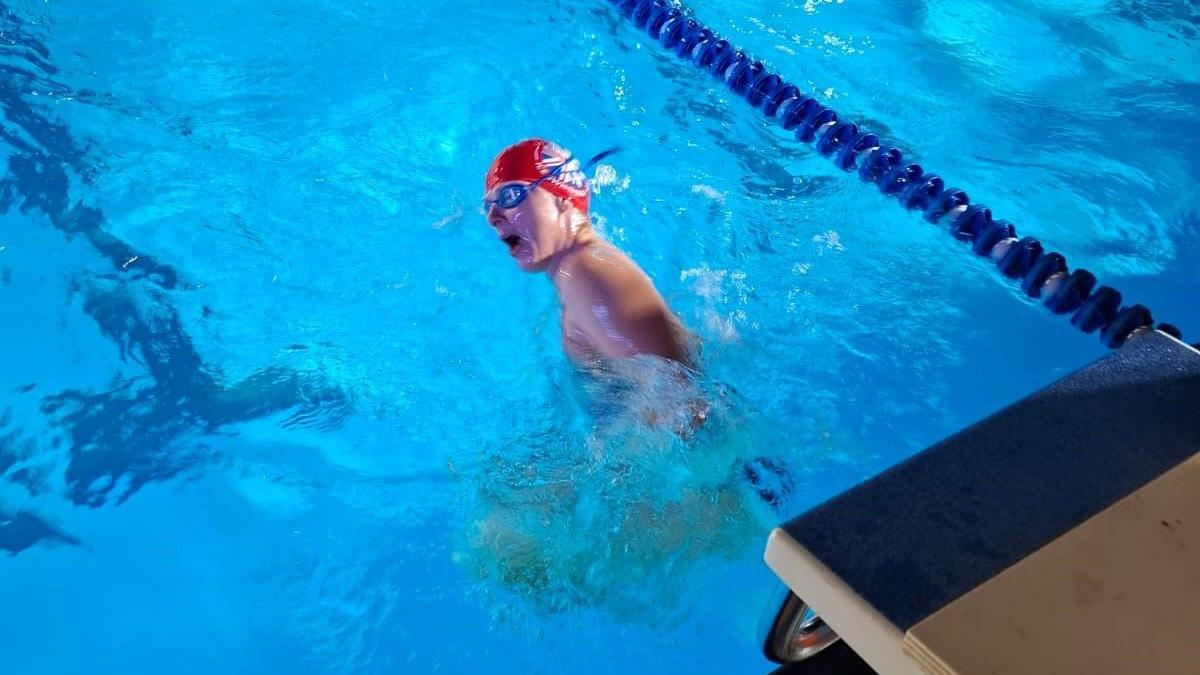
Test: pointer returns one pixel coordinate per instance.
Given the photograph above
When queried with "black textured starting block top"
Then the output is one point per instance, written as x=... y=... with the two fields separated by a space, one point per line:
x=916 y=537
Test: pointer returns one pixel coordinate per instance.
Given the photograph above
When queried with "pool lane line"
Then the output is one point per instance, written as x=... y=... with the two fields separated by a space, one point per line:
x=1042 y=275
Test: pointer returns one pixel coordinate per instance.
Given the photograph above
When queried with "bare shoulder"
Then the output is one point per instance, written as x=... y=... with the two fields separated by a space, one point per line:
x=615 y=303
x=606 y=273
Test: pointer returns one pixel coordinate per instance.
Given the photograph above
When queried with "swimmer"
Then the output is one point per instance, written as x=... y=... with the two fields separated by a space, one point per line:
x=537 y=201
x=536 y=198
x=618 y=330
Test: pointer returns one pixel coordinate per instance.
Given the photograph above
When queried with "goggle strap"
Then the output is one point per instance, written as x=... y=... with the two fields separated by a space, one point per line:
x=599 y=156
x=525 y=189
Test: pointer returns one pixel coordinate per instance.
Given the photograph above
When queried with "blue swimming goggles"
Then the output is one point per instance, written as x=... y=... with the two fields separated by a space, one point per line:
x=510 y=196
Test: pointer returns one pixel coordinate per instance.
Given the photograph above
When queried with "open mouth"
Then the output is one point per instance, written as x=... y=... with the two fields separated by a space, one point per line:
x=512 y=241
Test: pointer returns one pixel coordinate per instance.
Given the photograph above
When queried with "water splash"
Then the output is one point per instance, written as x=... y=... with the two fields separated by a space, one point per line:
x=656 y=485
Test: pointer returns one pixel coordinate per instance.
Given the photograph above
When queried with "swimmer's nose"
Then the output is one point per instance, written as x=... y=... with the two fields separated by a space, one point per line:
x=494 y=215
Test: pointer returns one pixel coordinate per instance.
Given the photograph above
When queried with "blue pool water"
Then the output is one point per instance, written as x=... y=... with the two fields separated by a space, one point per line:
x=265 y=375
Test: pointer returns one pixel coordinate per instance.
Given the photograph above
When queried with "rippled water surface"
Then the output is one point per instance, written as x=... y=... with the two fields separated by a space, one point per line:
x=273 y=399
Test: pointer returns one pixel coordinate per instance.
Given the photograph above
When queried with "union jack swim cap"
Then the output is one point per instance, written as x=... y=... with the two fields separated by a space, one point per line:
x=531 y=159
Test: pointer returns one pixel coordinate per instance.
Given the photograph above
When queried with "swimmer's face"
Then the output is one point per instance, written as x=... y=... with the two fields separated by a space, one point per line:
x=534 y=230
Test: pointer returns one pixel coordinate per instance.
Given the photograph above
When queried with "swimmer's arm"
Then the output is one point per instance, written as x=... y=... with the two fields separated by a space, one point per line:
x=626 y=321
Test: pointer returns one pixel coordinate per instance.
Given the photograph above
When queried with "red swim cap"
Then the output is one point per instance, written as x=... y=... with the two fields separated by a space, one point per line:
x=531 y=159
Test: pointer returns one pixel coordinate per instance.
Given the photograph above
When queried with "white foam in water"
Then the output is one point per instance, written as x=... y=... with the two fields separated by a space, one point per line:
x=607 y=180
x=709 y=192
x=829 y=240
x=706 y=282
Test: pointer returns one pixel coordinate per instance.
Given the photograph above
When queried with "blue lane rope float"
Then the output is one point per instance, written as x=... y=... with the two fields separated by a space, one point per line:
x=1042 y=275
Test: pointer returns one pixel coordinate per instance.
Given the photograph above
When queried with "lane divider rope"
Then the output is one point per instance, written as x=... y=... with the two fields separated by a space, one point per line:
x=1042 y=275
